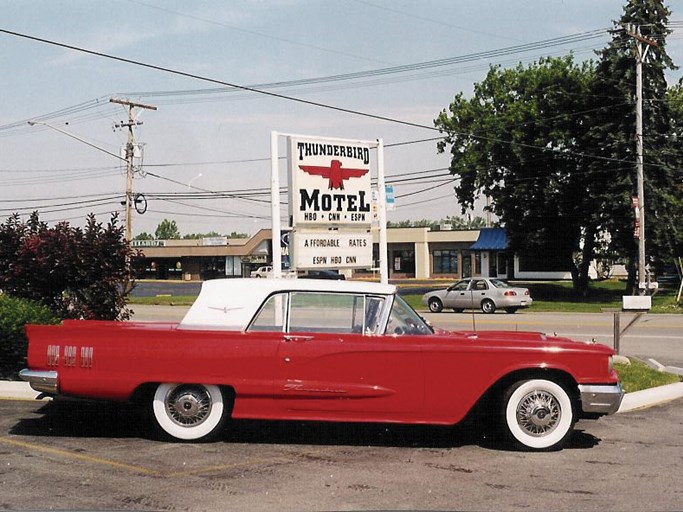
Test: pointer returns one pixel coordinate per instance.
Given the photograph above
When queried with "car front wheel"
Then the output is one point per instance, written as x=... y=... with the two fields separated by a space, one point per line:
x=189 y=412
x=488 y=306
x=537 y=415
x=435 y=305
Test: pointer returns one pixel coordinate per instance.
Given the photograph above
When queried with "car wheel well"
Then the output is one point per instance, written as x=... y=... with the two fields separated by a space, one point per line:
x=145 y=392
x=488 y=306
x=435 y=304
x=488 y=401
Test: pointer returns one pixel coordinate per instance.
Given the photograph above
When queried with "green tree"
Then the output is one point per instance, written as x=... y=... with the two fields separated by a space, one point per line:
x=197 y=236
x=214 y=234
x=464 y=222
x=455 y=222
x=517 y=141
x=674 y=154
x=144 y=236
x=612 y=138
x=167 y=230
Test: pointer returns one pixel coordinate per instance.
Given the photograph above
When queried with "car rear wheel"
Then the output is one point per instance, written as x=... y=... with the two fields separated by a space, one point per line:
x=537 y=415
x=488 y=306
x=435 y=305
x=189 y=412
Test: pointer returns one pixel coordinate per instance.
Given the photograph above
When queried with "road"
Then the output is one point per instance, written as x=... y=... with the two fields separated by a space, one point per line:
x=654 y=336
x=94 y=456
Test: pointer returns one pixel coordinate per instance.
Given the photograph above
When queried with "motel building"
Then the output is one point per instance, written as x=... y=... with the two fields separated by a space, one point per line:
x=417 y=253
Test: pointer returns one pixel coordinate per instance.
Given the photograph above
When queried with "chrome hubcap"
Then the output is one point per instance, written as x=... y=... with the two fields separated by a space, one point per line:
x=188 y=405
x=538 y=413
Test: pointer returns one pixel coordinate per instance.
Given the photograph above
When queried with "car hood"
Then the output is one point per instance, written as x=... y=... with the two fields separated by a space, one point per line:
x=521 y=340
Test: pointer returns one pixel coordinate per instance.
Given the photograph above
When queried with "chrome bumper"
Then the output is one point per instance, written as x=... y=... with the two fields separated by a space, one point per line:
x=42 y=381
x=601 y=399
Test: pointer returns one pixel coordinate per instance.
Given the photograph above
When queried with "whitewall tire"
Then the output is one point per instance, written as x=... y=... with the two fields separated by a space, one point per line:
x=189 y=412
x=537 y=414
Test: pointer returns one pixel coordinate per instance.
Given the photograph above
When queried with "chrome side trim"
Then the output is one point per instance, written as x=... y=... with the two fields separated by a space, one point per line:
x=42 y=381
x=601 y=398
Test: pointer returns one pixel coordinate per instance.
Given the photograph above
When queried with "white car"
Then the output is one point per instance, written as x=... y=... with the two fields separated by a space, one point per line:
x=264 y=271
x=475 y=293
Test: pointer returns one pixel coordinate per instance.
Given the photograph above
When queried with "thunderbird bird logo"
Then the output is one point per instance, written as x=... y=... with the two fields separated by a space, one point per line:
x=334 y=173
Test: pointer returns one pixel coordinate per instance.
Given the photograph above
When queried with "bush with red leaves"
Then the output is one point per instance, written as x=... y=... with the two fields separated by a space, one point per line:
x=75 y=272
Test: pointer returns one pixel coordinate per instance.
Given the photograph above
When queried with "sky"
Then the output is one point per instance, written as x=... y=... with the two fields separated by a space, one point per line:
x=206 y=149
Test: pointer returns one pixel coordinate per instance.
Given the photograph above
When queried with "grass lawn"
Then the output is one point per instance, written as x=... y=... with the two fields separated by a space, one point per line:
x=637 y=376
x=164 y=300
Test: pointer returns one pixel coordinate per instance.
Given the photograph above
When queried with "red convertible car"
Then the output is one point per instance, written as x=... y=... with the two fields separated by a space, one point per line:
x=320 y=350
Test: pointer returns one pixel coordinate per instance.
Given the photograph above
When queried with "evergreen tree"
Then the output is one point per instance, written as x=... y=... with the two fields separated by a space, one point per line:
x=611 y=180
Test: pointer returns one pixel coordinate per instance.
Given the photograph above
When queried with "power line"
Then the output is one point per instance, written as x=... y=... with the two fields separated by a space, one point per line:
x=270 y=94
x=66 y=206
x=474 y=57
x=216 y=81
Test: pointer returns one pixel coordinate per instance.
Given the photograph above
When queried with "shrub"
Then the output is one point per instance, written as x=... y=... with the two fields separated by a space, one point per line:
x=14 y=314
x=77 y=273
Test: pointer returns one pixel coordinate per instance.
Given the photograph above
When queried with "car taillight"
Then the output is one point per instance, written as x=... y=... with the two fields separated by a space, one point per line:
x=510 y=293
x=527 y=293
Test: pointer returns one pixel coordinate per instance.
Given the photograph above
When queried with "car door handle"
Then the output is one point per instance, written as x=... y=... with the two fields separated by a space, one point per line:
x=289 y=338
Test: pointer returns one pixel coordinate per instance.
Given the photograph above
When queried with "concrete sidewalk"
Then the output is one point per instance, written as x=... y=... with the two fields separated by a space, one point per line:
x=13 y=390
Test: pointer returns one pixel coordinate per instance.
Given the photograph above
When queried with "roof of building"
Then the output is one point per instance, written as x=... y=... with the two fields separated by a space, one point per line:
x=177 y=249
x=491 y=239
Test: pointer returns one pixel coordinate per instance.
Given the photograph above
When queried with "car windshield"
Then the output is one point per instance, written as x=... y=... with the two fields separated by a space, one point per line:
x=499 y=284
x=404 y=320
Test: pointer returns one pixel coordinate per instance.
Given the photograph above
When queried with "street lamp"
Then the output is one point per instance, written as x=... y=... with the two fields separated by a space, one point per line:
x=43 y=123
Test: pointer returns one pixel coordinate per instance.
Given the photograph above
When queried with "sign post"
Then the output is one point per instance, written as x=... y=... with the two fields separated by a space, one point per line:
x=275 y=205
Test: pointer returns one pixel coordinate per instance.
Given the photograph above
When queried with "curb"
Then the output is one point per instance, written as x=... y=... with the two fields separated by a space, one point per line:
x=11 y=390
x=17 y=390
x=650 y=397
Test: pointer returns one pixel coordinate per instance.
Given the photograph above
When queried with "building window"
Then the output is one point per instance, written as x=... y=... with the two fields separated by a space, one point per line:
x=545 y=261
x=445 y=262
x=466 y=264
x=502 y=263
x=493 y=264
x=404 y=262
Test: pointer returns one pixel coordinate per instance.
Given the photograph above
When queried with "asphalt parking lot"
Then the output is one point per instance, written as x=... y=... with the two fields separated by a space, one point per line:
x=87 y=455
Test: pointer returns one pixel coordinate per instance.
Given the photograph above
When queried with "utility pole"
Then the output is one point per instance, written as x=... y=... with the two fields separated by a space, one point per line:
x=130 y=151
x=642 y=47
